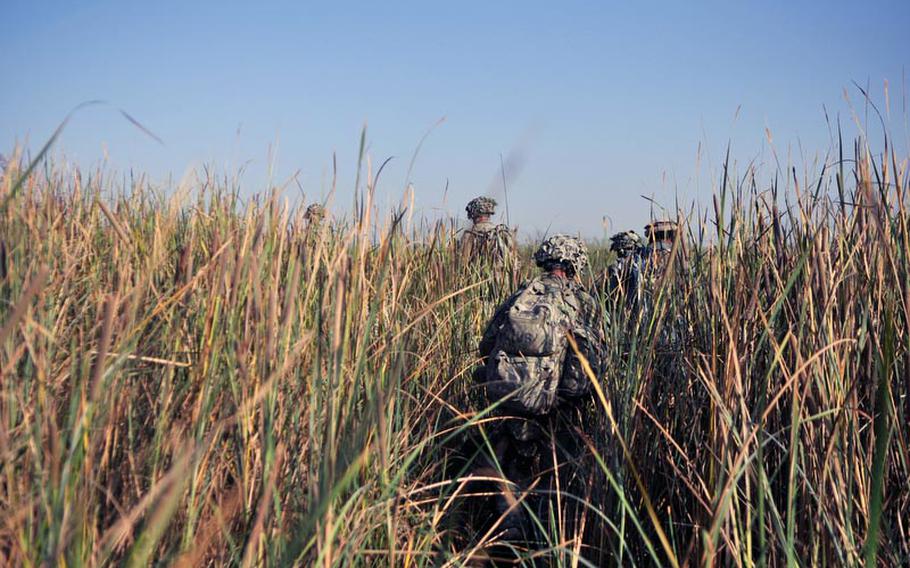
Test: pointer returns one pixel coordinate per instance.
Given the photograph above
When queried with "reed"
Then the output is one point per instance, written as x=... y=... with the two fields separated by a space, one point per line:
x=192 y=378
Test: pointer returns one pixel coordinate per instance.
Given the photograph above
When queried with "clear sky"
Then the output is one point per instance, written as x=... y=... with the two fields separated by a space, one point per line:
x=597 y=103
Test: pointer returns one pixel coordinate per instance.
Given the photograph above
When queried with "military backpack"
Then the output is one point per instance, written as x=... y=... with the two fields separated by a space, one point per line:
x=527 y=368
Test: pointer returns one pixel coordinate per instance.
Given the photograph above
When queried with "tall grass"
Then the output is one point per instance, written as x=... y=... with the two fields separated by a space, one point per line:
x=205 y=380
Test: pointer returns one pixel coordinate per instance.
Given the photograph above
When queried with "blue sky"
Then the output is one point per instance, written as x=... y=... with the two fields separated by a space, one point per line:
x=598 y=103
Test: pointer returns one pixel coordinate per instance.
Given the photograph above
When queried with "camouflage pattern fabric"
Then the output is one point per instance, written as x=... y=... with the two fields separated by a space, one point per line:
x=624 y=279
x=527 y=358
x=624 y=275
x=525 y=351
x=626 y=243
x=657 y=257
x=661 y=235
x=488 y=242
x=569 y=251
x=315 y=212
x=655 y=254
x=481 y=207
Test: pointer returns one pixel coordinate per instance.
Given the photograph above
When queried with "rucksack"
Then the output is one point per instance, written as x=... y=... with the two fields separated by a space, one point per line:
x=526 y=364
x=494 y=242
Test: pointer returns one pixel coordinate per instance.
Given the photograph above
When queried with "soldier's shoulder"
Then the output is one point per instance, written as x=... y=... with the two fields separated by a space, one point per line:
x=537 y=286
x=557 y=291
x=578 y=289
x=482 y=227
x=531 y=282
x=582 y=294
x=549 y=282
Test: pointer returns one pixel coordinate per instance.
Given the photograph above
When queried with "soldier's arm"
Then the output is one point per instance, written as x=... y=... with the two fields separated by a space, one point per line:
x=507 y=236
x=466 y=244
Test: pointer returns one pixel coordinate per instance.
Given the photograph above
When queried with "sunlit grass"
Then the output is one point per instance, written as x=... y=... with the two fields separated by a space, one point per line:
x=210 y=380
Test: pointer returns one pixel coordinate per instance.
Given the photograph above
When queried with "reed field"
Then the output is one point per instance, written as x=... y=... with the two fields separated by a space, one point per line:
x=192 y=378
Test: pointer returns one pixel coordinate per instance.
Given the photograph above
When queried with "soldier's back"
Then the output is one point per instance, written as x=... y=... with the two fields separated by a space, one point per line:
x=489 y=244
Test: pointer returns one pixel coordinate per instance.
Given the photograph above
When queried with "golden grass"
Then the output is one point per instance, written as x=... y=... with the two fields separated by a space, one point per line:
x=215 y=382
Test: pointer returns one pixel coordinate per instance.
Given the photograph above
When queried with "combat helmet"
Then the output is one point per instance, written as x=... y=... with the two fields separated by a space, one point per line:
x=625 y=244
x=663 y=230
x=480 y=206
x=569 y=251
x=315 y=212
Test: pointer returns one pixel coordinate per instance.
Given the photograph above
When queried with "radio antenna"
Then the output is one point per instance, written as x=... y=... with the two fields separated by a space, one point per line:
x=505 y=189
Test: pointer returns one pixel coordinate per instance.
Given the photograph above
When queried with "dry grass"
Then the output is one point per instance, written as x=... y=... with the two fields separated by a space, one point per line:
x=207 y=381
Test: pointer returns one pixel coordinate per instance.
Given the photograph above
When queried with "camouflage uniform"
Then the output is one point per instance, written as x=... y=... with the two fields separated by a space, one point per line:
x=624 y=275
x=315 y=213
x=674 y=330
x=314 y=231
x=661 y=236
x=531 y=370
x=485 y=240
x=656 y=257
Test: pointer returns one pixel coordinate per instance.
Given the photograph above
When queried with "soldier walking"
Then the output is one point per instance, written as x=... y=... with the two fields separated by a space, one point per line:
x=534 y=377
x=624 y=275
x=664 y=309
x=486 y=241
x=315 y=214
x=661 y=236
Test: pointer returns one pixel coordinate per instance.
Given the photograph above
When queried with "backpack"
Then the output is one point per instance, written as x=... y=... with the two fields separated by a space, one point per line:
x=526 y=364
x=493 y=242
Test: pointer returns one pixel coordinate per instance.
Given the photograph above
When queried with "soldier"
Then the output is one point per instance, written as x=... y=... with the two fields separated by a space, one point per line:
x=661 y=236
x=674 y=332
x=315 y=214
x=656 y=258
x=486 y=240
x=314 y=235
x=624 y=275
x=530 y=370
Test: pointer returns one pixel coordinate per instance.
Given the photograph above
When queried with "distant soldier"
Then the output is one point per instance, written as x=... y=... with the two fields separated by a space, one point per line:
x=656 y=258
x=674 y=331
x=486 y=241
x=531 y=370
x=314 y=233
x=624 y=275
x=315 y=214
x=661 y=236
